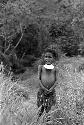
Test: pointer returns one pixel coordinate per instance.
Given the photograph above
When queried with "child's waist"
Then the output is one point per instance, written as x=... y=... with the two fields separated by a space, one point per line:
x=46 y=92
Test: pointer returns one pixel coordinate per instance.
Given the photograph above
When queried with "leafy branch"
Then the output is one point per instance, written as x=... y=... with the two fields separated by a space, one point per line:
x=18 y=41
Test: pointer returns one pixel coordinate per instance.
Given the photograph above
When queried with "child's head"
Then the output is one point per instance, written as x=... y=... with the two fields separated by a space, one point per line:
x=49 y=56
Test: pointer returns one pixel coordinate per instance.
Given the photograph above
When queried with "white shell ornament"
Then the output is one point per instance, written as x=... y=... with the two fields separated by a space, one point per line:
x=49 y=66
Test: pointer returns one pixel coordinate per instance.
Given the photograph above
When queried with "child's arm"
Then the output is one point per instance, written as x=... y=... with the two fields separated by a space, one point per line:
x=56 y=82
x=53 y=86
x=44 y=87
x=39 y=72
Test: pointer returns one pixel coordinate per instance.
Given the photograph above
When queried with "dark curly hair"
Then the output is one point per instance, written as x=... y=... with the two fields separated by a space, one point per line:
x=53 y=52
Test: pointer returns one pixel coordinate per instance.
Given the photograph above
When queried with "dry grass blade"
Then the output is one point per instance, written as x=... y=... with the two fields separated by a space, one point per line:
x=18 y=102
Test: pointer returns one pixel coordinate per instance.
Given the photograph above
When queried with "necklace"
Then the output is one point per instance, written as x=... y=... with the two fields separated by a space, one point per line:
x=50 y=66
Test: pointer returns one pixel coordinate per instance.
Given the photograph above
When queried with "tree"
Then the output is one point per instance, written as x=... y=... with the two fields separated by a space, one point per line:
x=29 y=26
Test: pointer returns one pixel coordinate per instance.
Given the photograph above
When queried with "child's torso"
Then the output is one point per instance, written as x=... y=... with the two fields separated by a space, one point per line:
x=48 y=77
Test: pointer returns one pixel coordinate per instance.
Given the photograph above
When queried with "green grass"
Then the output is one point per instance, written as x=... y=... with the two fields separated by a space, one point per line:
x=18 y=99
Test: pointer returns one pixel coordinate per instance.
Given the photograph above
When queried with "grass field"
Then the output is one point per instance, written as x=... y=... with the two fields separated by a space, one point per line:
x=18 y=99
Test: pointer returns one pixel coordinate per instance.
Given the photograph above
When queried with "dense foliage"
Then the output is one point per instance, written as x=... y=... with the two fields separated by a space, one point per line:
x=27 y=27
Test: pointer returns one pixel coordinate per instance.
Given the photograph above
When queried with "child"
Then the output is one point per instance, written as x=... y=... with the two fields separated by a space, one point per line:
x=47 y=74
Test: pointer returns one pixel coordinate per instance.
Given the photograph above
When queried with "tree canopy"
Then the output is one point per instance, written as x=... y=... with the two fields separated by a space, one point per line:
x=27 y=27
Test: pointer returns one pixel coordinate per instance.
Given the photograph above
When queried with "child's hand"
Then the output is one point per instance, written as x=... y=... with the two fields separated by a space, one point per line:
x=44 y=87
x=53 y=87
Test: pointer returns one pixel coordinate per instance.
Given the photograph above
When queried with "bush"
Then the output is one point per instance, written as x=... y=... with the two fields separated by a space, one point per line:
x=64 y=36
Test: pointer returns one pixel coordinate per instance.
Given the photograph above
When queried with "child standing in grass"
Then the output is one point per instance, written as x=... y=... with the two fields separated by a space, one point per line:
x=47 y=74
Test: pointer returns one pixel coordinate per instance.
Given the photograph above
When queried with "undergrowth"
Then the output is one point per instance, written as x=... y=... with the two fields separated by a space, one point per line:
x=16 y=107
x=18 y=102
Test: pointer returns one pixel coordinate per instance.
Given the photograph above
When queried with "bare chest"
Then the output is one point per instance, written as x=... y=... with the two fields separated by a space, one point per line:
x=48 y=77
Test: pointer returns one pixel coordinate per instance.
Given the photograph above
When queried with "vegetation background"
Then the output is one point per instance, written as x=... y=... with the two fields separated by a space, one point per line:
x=27 y=28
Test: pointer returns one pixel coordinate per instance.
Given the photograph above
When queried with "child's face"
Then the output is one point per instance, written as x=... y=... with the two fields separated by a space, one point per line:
x=48 y=58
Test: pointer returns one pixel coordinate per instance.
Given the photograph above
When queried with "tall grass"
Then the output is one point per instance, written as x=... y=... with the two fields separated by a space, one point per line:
x=16 y=107
x=18 y=101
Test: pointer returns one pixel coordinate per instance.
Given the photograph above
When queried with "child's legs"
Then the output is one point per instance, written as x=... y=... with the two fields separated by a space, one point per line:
x=39 y=97
x=46 y=100
x=53 y=97
x=49 y=100
x=40 y=101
